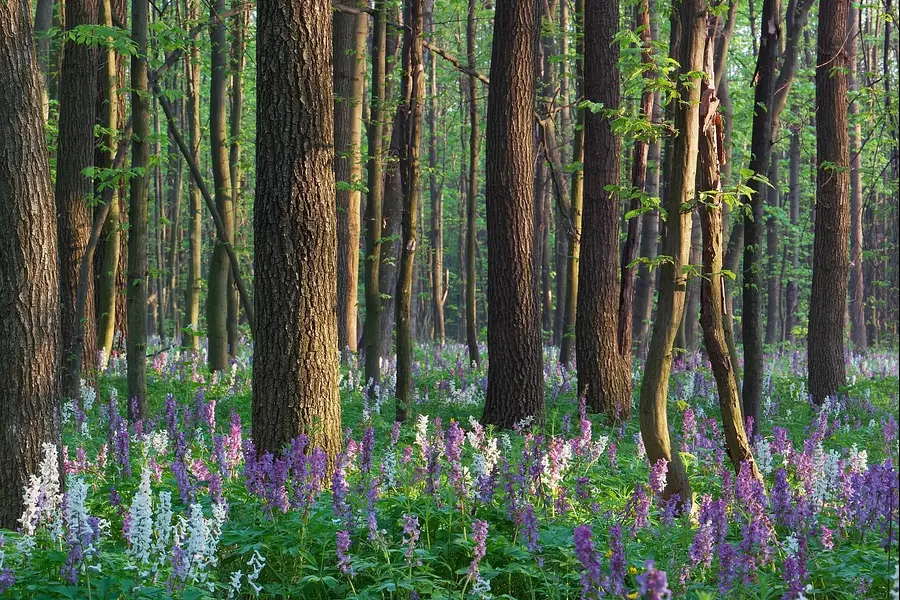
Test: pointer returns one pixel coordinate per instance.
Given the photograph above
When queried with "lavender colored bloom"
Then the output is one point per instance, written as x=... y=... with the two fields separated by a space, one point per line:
x=7 y=580
x=395 y=433
x=339 y=492
x=640 y=503
x=591 y=577
x=411 y=535
x=215 y=488
x=617 y=561
x=479 y=538
x=658 y=476
x=343 y=546
x=368 y=447
x=654 y=585
x=530 y=529
x=171 y=416
x=611 y=453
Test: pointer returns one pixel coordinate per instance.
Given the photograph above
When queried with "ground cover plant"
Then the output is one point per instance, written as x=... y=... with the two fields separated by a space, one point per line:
x=179 y=505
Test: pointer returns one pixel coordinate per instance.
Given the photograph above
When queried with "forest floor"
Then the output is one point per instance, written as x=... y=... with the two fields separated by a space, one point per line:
x=441 y=508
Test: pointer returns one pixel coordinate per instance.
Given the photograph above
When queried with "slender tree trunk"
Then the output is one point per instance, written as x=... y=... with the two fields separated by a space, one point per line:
x=689 y=25
x=711 y=157
x=295 y=367
x=792 y=304
x=138 y=246
x=218 y=288
x=515 y=379
x=350 y=32
x=857 y=291
x=576 y=196
x=390 y=233
x=690 y=322
x=157 y=292
x=174 y=181
x=436 y=197
x=29 y=284
x=754 y=273
x=562 y=240
x=238 y=48
x=78 y=85
x=773 y=293
x=472 y=194
x=43 y=21
x=375 y=196
x=195 y=220
x=413 y=99
x=828 y=299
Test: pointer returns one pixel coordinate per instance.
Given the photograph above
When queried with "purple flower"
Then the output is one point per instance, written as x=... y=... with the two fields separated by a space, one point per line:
x=340 y=490
x=7 y=580
x=591 y=577
x=411 y=535
x=343 y=546
x=530 y=529
x=640 y=504
x=617 y=561
x=479 y=538
x=368 y=447
x=658 y=476
x=654 y=585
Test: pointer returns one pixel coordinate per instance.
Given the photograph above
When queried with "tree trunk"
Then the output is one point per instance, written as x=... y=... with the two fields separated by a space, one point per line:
x=138 y=246
x=43 y=21
x=690 y=322
x=375 y=196
x=857 y=295
x=195 y=220
x=773 y=293
x=761 y=150
x=295 y=367
x=562 y=240
x=472 y=194
x=828 y=299
x=436 y=196
x=515 y=377
x=604 y=371
x=238 y=48
x=29 y=285
x=688 y=21
x=78 y=85
x=711 y=157
x=576 y=196
x=792 y=303
x=411 y=109
x=350 y=32
x=174 y=181
x=390 y=235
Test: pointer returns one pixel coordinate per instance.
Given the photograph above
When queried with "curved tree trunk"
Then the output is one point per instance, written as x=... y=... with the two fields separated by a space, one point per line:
x=828 y=298
x=29 y=285
x=689 y=27
x=515 y=378
x=295 y=367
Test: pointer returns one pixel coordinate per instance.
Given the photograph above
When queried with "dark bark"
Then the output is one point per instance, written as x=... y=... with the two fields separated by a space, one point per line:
x=350 y=32
x=436 y=233
x=515 y=378
x=29 y=284
x=295 y=367
x=792 y=304
x=604 y=370
x=195 y=209
x=754 y=224
x=857 y=291
x=773 y=271
x=236 y=97
x=472 y=193
x=136 y=345
x=828 y=298
x=689 y=25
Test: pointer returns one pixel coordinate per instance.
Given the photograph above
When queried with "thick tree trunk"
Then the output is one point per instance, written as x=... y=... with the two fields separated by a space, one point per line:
x=138 y=246
x=411 y=109
x=78 y=84
x=576 y=197
x=350 y=32
x=857 y=295
x=375 y=196
x=295 y=366
x=218 y=285
x=828 y=299
x=689 y=19
x=515 y=377
x=195 y=210
x=472 y=193
x=754 y=223
x=711 y=157
x=604 y=371
x=29 y=284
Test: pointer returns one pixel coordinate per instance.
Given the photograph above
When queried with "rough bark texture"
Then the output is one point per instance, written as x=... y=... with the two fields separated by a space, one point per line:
x=136 y=344
x=349 y=74
x=688 y=36
x=754 y=224
x=712 y=298
x=78 y=84
x=29 y=292
x=195 y=209
x=295 y=377
x=604 y=371
x=413 y=99
x=828 y=299
x=515 y=378
x=472 y=193
x=375 y=196
x=236 y=98
x=218 y=288
x=857 y=290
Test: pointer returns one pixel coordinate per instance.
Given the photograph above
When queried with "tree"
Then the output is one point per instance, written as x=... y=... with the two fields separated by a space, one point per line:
x=754 y=223
x=411 y=113
x=857 y=290
x=78 y=84
x=295 y=377
x=828 y=299
x=472 y=191
x=350 y=32
x=219 y=289
x=515 y=378
x=195 y=210
x=29 y=292
x=689 y=29
x=604 y=366
x=375 y=196
x=136 y=344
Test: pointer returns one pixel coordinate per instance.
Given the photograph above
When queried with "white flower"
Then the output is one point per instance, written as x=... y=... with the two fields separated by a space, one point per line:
x=257 y=562
x=163 y=526
x=791 y=546
x=42 y=497
x=422 y=432
x=234 y=589
x=763 y=455
x=140 y=532
x=859 y=460
x=895 y=588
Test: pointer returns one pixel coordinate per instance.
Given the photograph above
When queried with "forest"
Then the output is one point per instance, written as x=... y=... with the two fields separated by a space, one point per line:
x=449 y=299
